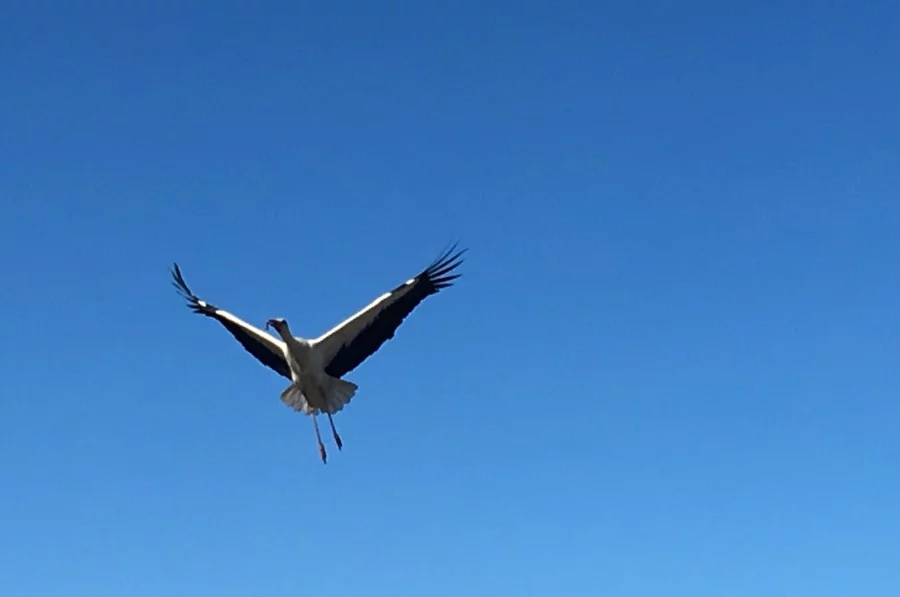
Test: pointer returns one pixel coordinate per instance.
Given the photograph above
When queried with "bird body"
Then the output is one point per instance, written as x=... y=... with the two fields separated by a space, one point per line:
x=307 y=372
x=311 y=390
x=315 y=367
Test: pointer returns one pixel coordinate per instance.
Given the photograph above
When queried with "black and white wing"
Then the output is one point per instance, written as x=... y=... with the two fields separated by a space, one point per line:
x=265 y=347
x=356 y=338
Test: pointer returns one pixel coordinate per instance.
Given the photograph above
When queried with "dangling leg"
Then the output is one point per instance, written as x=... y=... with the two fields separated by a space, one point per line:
x=319 y=439
x=337 y=438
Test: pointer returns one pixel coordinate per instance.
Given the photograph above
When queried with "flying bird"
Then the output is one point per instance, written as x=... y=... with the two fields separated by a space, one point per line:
x=316 y=366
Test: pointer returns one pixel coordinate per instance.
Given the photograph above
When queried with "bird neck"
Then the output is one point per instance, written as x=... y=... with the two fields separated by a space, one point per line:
x=285 y=333
x=298 y=348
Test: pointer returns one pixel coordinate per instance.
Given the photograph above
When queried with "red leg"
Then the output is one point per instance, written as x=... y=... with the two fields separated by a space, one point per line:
x=319 y=439
x=337 y=438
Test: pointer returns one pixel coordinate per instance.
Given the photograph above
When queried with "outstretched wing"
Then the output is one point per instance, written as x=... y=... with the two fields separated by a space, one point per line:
x=265 y=347
x=356 y=338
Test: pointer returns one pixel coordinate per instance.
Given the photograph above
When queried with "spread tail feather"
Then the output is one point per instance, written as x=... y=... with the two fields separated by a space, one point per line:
x=294 y=397
x=339 y=393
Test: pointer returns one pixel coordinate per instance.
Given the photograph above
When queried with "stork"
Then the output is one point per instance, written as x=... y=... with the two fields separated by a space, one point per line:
x=316 y=366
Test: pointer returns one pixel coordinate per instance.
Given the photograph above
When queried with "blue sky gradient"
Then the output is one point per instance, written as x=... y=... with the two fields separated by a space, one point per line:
x=669 y=368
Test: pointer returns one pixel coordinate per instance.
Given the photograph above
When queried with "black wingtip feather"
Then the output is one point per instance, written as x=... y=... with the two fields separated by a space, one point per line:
x=185 y=292
x=438 y=273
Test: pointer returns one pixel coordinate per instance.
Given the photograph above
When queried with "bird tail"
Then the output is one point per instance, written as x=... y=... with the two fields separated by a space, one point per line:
x=294 y=397
x=340 y=392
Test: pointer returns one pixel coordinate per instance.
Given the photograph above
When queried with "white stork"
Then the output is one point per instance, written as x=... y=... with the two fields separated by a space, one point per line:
x=315 y=366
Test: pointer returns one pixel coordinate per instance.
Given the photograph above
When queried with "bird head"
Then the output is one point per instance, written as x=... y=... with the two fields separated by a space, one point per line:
x=278 y=324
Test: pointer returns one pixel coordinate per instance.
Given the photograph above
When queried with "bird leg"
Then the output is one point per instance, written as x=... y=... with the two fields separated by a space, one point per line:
x=319 y=439
x=337 y=438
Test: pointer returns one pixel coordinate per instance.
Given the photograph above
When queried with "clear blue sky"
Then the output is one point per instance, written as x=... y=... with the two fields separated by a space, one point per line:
x=670 y=367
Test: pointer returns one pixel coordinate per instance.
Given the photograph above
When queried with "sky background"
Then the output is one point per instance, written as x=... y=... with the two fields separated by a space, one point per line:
x=670 y=366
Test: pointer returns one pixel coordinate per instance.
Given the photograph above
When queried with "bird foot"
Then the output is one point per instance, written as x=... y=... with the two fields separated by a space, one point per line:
x=337 y=440
x=323 y=454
